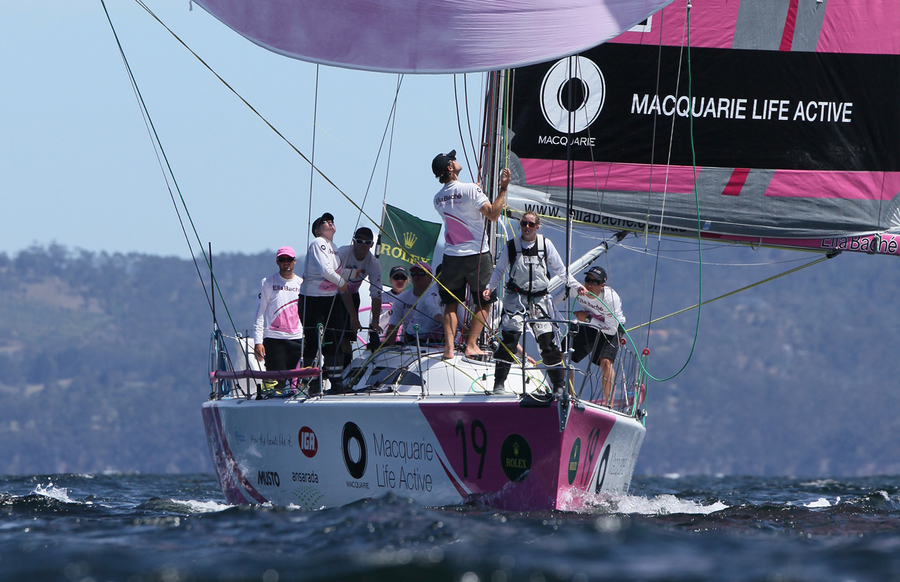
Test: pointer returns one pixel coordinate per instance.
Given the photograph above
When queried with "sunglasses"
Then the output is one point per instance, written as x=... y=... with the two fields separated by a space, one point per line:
x=364 y=242
x=399 y=277
x=418 y=273
x=528 y=223
x=589 y=281
x=285 y=259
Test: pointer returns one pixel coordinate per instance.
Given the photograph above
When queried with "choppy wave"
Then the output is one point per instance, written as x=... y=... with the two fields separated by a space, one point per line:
x=146 y=527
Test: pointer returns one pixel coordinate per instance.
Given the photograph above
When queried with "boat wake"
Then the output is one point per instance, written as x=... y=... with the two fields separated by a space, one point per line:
x=659 y=505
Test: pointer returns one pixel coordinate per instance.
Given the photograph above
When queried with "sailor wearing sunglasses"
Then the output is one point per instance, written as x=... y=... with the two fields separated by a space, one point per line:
x=530 y=259
x=357 y=264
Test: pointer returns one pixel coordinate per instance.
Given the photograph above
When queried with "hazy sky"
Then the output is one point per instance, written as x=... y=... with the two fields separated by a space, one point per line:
x=78 y=167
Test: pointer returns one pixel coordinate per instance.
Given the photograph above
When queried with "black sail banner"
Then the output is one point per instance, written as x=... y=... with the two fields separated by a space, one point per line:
x=757 y=109
x=787 y=124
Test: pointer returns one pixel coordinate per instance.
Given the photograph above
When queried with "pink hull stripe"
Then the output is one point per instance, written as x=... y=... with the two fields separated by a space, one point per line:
x=785 y=183
x=234 y=466
x=459 y=487
x=226 y=480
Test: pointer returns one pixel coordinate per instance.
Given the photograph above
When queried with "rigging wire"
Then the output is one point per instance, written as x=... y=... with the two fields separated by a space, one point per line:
x=168 y=173
x=256 y=112
x=388 y=131
x=312 y=154
x=736 y=291
x=686 y=34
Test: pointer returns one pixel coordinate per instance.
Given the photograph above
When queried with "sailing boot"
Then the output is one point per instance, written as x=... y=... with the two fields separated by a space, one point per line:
x=334 y=371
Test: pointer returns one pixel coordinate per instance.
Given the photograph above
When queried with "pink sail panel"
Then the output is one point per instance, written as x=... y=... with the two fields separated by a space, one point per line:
x=610 y=176
x=434 y=36
x=835 y=26
x=680 y=179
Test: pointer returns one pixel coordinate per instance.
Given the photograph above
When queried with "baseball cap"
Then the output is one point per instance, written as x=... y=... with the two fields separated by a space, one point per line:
x=286 y=252
x=422 y=266
x=318 y=222
x=399 y=269
x=364 y=233
x=597 y=273
x=441 y=161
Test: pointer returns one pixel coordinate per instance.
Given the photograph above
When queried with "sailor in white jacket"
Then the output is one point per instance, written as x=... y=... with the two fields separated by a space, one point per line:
x=602 y=321
x=325 y=299
x=358 y=263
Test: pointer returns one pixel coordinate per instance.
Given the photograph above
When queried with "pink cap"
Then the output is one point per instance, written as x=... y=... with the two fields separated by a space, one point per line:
x=422 y=265
x=286 y=252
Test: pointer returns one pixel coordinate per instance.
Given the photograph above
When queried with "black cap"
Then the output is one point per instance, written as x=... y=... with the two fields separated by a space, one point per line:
x=399 y=269
x=441 y=161
x=318 y=222
x=597 y=273
x=364 y=233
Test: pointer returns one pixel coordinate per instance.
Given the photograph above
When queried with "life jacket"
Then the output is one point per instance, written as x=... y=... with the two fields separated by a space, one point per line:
x=528 y=273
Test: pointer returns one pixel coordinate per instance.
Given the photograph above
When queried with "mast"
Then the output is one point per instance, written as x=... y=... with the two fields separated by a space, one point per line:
x=493 y=145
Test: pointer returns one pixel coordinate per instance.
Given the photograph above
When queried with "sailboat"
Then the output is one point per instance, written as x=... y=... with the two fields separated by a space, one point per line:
x=724 y=121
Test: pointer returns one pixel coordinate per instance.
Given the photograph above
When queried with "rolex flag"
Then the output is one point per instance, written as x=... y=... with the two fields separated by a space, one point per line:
x=405 y=240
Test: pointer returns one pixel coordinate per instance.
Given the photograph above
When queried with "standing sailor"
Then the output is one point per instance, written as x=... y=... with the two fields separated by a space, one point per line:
x=467 y=258
x=602 y=320
x=529 y=259
x=276 y=330
x=325 y=299
x=359 y=263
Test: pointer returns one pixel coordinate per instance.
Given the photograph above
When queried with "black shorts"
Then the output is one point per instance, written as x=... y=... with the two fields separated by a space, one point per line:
x=457 y=272
x=607 y=345
x=331 y=313
x=282 y=354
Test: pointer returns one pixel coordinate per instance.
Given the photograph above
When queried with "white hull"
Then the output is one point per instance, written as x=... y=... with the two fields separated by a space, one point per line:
x=507 y=451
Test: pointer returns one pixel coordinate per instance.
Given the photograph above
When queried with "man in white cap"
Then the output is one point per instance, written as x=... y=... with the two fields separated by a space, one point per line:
x=602 y=321
x=325 y=299
x=467 y=259
x=277 y=332
x=358 y=263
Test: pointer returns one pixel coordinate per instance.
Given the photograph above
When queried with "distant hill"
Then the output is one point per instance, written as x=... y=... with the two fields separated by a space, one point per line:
x=103 y=362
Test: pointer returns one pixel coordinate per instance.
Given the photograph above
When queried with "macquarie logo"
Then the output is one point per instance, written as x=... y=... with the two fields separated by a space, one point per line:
x=572 y=94
x=309 y=444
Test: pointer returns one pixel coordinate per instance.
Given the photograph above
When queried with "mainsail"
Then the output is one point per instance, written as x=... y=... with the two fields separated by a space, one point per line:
x=785 y=115
x=431 y=36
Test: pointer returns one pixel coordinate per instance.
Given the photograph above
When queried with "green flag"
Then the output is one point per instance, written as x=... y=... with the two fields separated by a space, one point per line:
x=405 y=240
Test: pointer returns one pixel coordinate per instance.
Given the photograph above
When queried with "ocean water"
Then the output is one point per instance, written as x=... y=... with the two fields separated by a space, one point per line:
x=177 y=527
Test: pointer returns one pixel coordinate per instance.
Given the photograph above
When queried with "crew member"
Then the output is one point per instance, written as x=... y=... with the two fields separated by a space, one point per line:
x=467 y=259
x=600 y=311
x=277 y=333
x=529 y=259
x=325 y=299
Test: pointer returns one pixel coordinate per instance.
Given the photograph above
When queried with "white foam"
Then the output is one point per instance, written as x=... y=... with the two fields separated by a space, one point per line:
x=821 y=502
x=658 y=505
x=663 y=505
x=202 y=506
x=54 y=492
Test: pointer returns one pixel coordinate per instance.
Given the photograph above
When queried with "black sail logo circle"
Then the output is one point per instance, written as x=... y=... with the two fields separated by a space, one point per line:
x=354 y=447
x=515 y=455
x=572 y=94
